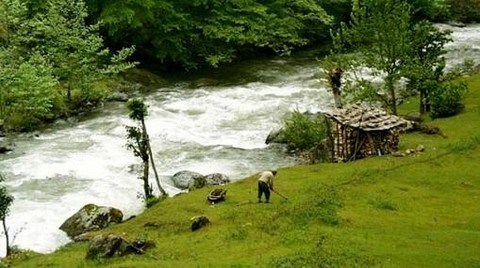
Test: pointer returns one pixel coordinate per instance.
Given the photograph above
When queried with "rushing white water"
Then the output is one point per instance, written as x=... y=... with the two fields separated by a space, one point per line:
x=205 y=129
x=465 y=45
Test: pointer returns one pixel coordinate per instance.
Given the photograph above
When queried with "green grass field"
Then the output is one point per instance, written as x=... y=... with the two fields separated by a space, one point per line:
x=421 y=210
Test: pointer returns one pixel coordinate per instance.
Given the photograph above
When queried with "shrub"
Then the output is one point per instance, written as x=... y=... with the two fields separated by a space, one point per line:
x=152 y=201
x=447 y=99
x=303 y=132
x=465 y=10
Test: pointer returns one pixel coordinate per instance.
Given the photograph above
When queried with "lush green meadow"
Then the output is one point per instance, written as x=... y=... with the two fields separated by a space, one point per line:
x=421 y=210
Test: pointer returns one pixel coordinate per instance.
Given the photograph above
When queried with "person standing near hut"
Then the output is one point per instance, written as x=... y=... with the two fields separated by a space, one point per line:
x=335 y=76
x=265 y=184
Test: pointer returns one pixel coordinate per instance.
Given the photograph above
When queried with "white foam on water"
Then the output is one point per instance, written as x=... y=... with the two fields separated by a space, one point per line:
x=89 y=163
x=466 y=44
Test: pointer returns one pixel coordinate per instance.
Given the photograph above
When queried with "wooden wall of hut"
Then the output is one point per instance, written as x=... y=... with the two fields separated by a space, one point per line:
x=353 y=143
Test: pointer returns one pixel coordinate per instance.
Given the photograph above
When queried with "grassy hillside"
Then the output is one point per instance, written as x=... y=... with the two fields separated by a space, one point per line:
x=417 y=211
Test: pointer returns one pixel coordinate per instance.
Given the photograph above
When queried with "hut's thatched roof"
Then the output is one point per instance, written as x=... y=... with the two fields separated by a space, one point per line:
x=367 y=118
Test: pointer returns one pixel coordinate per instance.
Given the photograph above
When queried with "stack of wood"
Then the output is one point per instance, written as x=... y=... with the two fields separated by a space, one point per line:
x=360 y=131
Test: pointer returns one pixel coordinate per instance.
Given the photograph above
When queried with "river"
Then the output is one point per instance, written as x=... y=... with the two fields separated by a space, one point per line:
x=206 y=122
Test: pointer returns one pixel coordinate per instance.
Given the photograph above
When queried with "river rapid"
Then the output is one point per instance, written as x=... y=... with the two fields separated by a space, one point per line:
x=205 y=122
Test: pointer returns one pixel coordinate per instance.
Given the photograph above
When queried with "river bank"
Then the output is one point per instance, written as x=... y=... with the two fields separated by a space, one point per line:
x=414 y=211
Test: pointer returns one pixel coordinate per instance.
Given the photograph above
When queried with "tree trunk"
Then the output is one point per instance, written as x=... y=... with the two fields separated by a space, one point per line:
x=160 y=188
x=7 y=238
x=69 y=93
x=427 y=102
x=422 y=102
x=146 y=185
x=393 y=97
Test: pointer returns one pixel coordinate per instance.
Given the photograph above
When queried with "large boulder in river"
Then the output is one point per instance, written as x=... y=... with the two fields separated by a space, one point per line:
x=118 y=96
x=186 y=179
x=90 y=218
x=216 y=179
x=189 y=180
x=276 y=136
x=4 y=148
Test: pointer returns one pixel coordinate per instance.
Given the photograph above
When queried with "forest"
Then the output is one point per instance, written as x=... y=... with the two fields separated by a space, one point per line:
x=60 y=58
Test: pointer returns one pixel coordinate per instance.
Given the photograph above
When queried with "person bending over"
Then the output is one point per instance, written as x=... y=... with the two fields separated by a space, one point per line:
x=265 y=184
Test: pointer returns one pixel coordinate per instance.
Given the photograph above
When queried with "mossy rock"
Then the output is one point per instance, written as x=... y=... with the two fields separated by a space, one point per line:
x=108 y=246
x=89 y=218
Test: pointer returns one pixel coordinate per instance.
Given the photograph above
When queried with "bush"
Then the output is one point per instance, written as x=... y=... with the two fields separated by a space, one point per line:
x=447 y=99
x=303 y=132
x=432 y=10
x=465 y=10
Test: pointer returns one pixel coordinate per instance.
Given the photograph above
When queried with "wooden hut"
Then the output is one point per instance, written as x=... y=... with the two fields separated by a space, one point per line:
x=358 y=131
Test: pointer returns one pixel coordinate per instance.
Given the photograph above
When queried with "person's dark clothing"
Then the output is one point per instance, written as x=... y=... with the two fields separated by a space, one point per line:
x=263 y=188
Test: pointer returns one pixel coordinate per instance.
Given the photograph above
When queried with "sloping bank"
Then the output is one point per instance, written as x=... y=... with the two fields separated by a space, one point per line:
x=414 y=211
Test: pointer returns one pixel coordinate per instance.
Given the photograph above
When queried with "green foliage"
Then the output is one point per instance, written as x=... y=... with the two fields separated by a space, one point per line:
x=425 y=66
x=447 y=99
x=380 y=31
x=6 y=200
x=50 y=60
x=28 y=91
x=340 y=10
x=432 y=10
x=191 y=33
x=389 y=38
x=3 y=23
x=465 y=10
x=152 y=201
x=302 y=132
x=138 y=109
x=59 y=32
x=363 y=89
x=137 y=142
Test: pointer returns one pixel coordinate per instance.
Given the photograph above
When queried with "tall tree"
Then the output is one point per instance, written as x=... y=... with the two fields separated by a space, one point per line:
x=58 y=30
x=380 y=33
x=6 y=201
x=425 y=66
x=138 y=142
x=50 y=60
